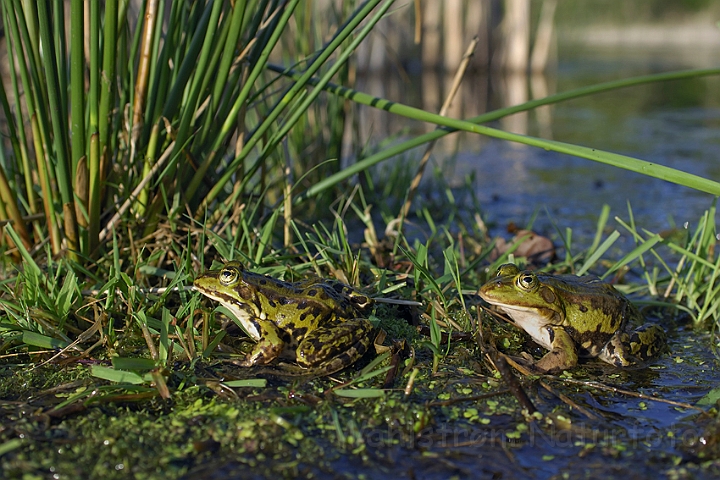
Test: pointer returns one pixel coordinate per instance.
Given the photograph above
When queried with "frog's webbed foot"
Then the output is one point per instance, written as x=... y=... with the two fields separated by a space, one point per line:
x=563 y=354
x=259 y=356
x=556 y=361
x=267 y=349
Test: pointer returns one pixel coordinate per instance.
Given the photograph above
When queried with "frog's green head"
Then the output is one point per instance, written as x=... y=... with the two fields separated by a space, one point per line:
x=225 y=280
x=523 y=296
x=228 y=286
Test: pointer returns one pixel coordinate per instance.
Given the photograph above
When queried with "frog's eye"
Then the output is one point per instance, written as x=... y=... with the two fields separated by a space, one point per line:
x=526 y=281
x=507 y=269
x=228 y=275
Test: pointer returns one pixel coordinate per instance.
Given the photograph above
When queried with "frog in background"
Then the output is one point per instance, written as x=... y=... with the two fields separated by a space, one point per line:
x=573 y=317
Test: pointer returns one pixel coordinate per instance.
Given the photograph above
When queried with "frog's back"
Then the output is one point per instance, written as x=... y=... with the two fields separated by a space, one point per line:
x=588 y=293
x=298 y=307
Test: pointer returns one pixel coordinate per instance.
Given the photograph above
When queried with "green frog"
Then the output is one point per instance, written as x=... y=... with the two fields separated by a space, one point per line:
x=573 y=317
x=314 y=323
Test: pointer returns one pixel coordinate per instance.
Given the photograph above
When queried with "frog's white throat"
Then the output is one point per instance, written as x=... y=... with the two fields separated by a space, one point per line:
x=241 y=313
x=529 y=320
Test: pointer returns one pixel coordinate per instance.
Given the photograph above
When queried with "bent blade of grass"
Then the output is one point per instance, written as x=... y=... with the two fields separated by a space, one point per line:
x=212 y=345
x=711 y=302
x=421 y=272
x=453 y=125
x=371 y=370
x=266 y=236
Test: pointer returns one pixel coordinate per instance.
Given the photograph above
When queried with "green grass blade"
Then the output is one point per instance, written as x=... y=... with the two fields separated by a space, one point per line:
x=602 y=221
x=599 y=252
x=344 y=33
x=360 y=392
x=239 y=103
x=227 y=57
x=64 y=180
x=42 y=341
x=194 y=65
x=248 y=382
x=117 y=376
x=634 y=254
x=10 y=445
x=133 y=363
x=107 y=81
x=29 y=260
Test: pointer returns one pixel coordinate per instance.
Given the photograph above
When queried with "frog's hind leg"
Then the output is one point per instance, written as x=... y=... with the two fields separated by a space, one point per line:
x=637 y=346
x=332 y=348
x=647 y=341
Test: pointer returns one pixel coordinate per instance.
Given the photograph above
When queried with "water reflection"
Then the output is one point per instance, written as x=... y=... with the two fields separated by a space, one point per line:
x=674 y=123
x=514 y=92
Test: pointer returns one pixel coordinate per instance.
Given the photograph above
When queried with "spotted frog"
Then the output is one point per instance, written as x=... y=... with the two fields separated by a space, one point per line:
x=573 y=316
x=314 y=323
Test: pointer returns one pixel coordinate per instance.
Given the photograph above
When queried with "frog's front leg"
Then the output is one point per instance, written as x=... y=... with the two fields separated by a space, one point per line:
x=329 y=349
x=628 y=348
x=268 y=348
x=562 y=355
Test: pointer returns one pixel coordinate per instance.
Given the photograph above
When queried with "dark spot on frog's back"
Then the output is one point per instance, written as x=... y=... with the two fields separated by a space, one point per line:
x=300 y=332
x=312 y=292
x=583 y=308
